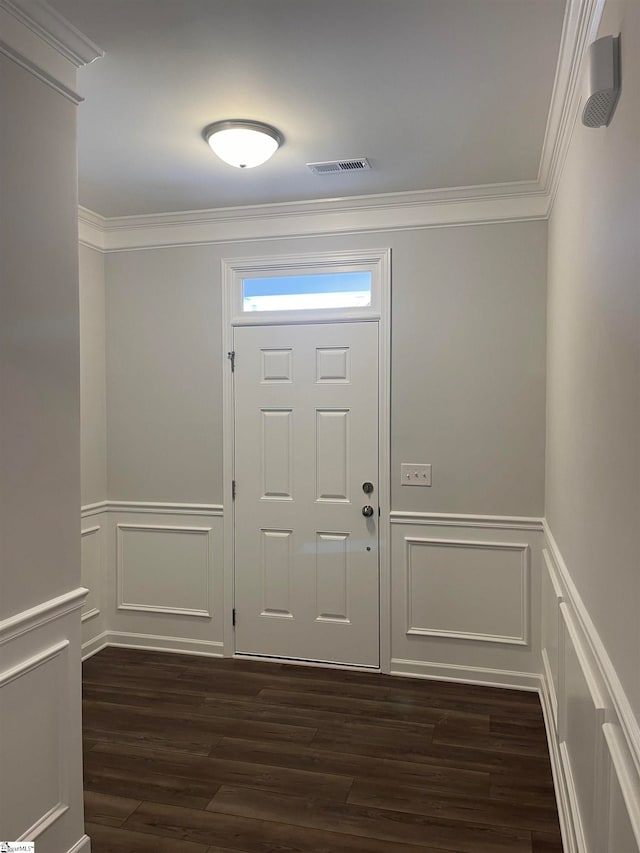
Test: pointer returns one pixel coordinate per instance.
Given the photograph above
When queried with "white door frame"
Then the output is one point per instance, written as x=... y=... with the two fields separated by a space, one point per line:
x=378 y=261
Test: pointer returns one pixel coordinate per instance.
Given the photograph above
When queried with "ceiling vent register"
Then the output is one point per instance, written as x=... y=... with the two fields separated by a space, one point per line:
x=331 y=167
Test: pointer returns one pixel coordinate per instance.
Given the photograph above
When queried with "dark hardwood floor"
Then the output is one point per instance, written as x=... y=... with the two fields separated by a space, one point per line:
x=201 y=755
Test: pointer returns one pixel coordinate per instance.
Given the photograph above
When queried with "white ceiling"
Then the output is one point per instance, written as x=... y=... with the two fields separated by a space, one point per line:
x=436 y=93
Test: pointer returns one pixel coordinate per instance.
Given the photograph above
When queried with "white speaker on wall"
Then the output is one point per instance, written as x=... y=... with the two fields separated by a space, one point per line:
x=603 y=82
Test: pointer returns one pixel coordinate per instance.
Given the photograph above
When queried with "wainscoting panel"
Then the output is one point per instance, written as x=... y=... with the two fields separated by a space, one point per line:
x=551 y=601
x=440 y=570
x=623 y=829
x=593 y=736
x=164 y=568
x=163 y=579
x=580 y=721
x=40 y=733
x=93 y=563
x=464 y=597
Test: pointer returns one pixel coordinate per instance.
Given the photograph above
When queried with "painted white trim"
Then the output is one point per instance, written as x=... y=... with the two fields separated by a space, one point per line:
x=548 y=680
x=47 y=611
x=582 y=19
x=154 y=642
x=40 y=73
x=597 y=651
x=559 y=783
x=522 y=640
x=153 y=608
x=57 y=650
x=43 y=823
x=574 y=803
x=356 y=260
x=25 y=666
x=291 y=221
x=89 y=614
x=152 y=507
x=379 y=260
x=628 y=785
x=447 y=519
x=579 y=29
x=466 y=674
x=55 y=30
x=91 y=229
x=81 y=846
x=95 y=645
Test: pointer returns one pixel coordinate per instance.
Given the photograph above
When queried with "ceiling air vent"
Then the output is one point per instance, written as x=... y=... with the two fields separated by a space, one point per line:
x=330 y=167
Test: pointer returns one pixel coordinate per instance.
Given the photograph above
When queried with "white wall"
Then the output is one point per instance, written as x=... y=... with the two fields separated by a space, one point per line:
x=591 y=599
x=593 y=423
x=468 y=395
x=93 y=379
x=40 y=598
x=467 y=362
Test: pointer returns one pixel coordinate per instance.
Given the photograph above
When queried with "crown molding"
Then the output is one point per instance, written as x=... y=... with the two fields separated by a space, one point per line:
x=447 y=207
x=44 y=43
x=391 y=212
x=580 y=27
x=91 y=229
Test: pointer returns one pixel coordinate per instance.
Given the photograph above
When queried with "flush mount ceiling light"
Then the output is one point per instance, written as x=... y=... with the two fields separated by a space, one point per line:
x=243 y=144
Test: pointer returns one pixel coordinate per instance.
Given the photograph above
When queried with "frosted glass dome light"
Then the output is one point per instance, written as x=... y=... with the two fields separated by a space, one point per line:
x=243 y=144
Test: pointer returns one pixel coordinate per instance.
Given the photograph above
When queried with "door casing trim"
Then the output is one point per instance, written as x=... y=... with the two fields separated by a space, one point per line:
x=380 y=261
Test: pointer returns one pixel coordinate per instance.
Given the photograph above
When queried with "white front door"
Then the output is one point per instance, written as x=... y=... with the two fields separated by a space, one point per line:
x=306 y=450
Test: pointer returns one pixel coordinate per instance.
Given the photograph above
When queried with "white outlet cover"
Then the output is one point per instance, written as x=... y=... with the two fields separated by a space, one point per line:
x=415 y=474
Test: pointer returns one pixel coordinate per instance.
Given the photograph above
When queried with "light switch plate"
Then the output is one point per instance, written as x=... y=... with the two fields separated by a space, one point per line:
x=413 y=474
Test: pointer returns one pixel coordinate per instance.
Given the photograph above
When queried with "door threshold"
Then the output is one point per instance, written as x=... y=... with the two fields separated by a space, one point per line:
x=302 y=662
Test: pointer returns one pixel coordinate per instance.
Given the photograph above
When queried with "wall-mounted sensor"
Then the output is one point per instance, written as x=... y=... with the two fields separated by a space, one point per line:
x=604 y=82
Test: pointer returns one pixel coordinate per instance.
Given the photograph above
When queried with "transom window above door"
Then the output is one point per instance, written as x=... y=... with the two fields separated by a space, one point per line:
x=321 y=287
x=310 y=292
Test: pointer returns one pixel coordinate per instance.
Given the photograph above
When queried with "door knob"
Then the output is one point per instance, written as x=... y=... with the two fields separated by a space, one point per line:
x=367 y=511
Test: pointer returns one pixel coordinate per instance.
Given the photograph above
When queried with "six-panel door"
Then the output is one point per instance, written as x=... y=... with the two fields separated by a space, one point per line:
x=306 y=440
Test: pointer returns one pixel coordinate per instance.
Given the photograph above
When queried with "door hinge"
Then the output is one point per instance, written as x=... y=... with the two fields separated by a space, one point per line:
x=232 y=358
x=233 y=617
x=233 y=490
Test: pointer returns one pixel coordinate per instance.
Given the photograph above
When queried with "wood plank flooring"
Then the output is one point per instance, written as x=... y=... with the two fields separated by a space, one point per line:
x=203 y=755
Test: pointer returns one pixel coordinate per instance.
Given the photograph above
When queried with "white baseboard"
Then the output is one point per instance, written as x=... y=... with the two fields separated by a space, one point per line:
x=466 y=674
x=94 y=645
x=153 y=642
x=81 y=846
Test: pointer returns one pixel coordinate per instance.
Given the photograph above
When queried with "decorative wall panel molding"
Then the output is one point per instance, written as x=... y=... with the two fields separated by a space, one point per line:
x=591 y=735
x=91 y=570
x=33 y=707
x=465 y=589
x=162 y=568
